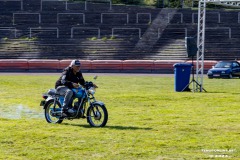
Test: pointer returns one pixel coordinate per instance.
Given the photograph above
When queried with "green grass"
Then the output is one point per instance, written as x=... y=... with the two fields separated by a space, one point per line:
x=147 y=120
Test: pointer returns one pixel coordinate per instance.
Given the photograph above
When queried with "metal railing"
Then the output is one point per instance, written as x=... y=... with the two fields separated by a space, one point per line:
x=21 y=1
x=88 y=28
x=9 y=29
x=219 y=16
x=83 y=15
x=110 y=3
x=238 y=17
x=169 y=14
x=66 y=3
x=221 y=28
x=149 y=15
x=119 y=28
x=43 y=29
x=115 y=14
x=39 y=16
x=160 y=31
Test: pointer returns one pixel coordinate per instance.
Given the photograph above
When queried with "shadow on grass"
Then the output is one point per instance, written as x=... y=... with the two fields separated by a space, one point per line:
x=111 y=127
x=128 y=128
x=221 y=92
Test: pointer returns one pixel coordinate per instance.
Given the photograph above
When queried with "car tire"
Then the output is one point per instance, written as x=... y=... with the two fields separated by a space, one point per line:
x=230 y=76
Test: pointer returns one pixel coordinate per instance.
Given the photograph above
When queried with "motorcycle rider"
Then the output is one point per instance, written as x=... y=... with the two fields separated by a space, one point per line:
x=71 y=78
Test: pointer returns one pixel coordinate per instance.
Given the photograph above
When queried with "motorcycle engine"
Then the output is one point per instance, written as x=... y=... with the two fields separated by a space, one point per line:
x=72 y=111
x=75 y=105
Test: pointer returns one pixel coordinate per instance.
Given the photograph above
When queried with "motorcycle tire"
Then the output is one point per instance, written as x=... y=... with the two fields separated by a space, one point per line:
x=97 y=115
x=48 y=109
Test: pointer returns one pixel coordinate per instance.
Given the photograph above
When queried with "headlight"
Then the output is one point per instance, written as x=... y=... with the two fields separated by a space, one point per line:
x=91 y=90
x=209 y=72
x=223 y=72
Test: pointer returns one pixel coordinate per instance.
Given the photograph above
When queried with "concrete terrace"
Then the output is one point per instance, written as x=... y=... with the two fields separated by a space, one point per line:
x=59 y=30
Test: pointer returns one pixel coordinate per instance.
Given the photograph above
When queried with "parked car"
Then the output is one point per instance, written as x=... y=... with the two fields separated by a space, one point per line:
x=225 y=69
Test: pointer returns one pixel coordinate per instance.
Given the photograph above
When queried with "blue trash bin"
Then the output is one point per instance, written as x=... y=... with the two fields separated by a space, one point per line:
x=182 y=72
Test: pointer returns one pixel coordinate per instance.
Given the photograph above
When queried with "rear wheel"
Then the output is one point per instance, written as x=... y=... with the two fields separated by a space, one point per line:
x=50 y=113
x=97 y=115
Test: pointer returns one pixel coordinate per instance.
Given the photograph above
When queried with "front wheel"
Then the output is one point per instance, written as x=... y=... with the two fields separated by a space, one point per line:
x=50 y=112
x=97 y=115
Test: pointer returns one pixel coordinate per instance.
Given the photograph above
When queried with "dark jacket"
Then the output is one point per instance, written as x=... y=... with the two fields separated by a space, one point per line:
x=68 y=77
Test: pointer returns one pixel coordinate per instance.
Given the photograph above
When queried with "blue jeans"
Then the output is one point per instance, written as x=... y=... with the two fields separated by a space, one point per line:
x=67 y=93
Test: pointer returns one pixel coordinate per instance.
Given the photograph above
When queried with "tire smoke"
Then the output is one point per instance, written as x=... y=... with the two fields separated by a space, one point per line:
x=18 y=112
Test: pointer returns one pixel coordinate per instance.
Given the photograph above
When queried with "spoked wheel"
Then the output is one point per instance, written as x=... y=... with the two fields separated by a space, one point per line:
x=50 y=113
x=97 y=115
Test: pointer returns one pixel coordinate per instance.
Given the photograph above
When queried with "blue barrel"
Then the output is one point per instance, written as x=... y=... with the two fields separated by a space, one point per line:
x=182 y=72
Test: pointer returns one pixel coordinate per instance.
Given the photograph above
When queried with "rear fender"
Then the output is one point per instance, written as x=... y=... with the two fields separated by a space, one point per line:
x=48 y=100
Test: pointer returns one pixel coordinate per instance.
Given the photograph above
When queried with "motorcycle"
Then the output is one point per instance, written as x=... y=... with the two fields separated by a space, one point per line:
x=83 y=105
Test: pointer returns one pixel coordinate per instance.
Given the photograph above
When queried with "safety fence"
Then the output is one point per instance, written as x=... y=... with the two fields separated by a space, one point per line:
x=147 y=66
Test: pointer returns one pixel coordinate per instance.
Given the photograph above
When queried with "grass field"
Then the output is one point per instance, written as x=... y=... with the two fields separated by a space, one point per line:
x=147 y=120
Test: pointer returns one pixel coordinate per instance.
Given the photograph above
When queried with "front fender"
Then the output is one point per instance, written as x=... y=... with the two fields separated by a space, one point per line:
x=99 y=103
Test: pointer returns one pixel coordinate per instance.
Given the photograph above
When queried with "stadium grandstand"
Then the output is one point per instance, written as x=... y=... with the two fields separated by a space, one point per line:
x=100 y=30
